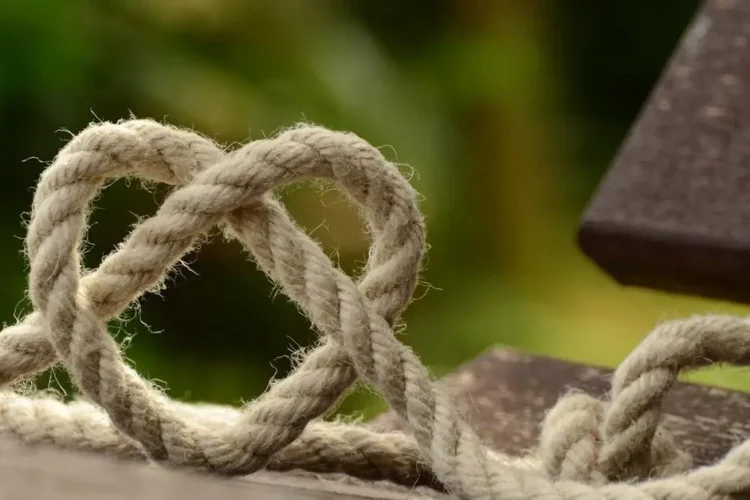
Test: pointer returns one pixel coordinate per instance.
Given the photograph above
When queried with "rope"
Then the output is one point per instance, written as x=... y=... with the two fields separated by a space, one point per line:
x=592 y=449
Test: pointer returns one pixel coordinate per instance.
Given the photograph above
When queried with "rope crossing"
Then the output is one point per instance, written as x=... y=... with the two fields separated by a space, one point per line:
x=588 y=449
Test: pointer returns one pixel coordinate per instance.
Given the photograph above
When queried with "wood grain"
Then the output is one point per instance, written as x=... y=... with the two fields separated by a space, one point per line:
x=505 y=395
x=42 y=473
x=673 y=212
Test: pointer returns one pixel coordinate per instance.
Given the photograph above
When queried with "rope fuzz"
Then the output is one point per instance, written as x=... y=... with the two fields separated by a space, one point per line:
x=588 y=448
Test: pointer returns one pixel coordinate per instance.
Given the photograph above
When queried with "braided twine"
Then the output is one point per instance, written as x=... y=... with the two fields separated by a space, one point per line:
x=588 y=449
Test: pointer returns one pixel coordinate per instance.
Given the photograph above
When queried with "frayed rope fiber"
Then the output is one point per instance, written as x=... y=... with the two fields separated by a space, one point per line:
x=588 y=449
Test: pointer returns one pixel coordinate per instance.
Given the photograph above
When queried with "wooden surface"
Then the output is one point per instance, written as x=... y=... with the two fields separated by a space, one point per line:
x=505 y=395
x=673 y=212
x=504 y=392
x=40 y=473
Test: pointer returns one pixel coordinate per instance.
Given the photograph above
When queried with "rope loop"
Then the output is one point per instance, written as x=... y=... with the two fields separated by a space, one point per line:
x=230 y=188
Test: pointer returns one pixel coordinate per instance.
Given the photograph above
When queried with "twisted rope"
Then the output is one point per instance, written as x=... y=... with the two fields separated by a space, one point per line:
x=147 y=149
x=588 y=448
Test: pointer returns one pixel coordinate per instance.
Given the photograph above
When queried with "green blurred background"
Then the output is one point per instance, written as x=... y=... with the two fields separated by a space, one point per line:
x=508 y=110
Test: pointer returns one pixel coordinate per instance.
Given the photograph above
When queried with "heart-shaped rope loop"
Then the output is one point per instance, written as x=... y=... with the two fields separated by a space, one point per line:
x=233 y=187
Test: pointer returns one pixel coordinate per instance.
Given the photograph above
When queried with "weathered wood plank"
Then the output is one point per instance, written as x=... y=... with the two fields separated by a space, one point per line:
x=673 y=212
x=43 y=473
x=505 y=395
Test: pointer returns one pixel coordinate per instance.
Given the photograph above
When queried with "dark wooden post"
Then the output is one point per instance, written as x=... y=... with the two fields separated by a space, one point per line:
x=673 y=213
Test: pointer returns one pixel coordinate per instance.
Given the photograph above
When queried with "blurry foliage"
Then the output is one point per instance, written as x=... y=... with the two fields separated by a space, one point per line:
x=507 y=111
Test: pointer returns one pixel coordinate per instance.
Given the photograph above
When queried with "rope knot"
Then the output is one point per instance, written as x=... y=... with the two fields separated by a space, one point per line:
x=574 y=445
x=570 y=440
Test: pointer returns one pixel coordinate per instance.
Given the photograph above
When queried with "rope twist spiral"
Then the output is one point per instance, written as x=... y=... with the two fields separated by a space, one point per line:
x=588 y=448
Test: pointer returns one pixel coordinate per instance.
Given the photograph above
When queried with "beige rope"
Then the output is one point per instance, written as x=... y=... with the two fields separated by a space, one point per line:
x=150 y=150
x=588 y=449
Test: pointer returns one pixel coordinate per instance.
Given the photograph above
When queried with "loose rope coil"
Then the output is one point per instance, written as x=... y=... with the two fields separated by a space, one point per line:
x=588 y=449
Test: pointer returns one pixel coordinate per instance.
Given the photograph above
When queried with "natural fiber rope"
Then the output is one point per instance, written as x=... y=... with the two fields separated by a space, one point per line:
x=148 y=149
x=588 y=448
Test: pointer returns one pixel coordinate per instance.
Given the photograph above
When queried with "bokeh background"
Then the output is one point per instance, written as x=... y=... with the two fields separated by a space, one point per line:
x=509 y=112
